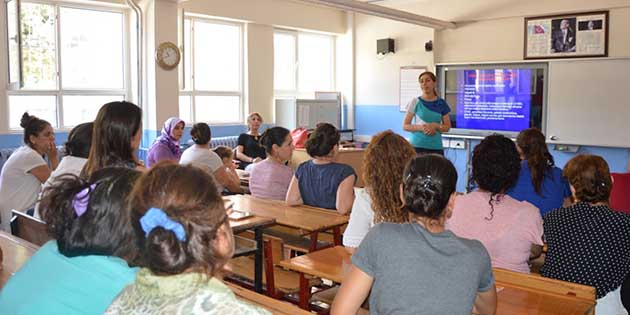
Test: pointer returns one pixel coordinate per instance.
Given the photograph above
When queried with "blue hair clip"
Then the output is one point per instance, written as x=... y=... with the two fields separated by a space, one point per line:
x=157 y=217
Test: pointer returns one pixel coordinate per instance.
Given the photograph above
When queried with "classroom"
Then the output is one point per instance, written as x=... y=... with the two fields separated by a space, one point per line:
x=224 y=63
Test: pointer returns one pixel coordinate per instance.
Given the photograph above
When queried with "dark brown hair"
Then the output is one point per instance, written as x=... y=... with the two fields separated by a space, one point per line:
x=429 y=180
x=383 y=164
x=80 y=140
x=33 y=126
x=224 y=152
x=532 y=143
x=104 y=228
x=189 y=196
x=201 y=133
x=322 y=140
x=115 y=124
x=590 y=177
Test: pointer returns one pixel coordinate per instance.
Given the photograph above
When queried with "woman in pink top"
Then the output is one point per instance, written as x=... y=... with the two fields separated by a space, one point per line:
x=511 y=230
x=270 y=178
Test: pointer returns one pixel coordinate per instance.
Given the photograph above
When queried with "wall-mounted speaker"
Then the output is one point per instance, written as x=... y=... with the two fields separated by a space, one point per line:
x=428 y=46
x=385 y=46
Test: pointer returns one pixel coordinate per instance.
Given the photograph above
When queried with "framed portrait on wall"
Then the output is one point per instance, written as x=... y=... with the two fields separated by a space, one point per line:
x=566 y=36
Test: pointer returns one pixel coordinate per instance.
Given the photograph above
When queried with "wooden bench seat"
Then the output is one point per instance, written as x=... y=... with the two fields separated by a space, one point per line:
x=285 y=281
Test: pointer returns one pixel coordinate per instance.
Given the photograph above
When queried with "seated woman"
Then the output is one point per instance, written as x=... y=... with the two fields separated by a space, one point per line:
x=249 y=150
x=166 y=146
x=116 y=137
x=88 y=263
x=270 y=178
x=185 y=240
x=77 y=150
x=321 y=182
x=25 y=170
x=380 y=200
x=201 y=156
x=227 y=157
x=539 y=182
x=420 y=267
x=588 y=242
x=511 y=230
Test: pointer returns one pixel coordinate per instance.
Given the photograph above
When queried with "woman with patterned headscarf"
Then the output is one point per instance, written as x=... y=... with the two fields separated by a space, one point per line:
x=166 y=146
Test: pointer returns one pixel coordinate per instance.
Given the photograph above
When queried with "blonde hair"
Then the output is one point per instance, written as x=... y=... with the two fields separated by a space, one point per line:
x=251 y=116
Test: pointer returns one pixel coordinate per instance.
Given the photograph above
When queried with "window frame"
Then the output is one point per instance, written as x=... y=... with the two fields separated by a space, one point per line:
x=297 y=93
x=190 y=89
x=60 y=92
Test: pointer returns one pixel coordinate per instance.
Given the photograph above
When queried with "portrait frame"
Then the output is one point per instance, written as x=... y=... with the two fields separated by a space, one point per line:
x=575 y=35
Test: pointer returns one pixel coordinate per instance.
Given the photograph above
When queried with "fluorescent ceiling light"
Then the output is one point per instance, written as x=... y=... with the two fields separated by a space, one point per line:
x=384 y=12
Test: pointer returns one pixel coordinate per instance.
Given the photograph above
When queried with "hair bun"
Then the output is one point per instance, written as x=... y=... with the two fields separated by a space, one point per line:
x=26 y=120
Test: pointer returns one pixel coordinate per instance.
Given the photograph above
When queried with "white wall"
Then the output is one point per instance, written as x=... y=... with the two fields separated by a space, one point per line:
x=500 y=37
x=377 y=78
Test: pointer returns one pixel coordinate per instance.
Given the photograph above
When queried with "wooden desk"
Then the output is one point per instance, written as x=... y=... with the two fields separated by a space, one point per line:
x=15 y=252
x=350 y=156
x=257 y=224
x=276 y=307
x=514 y=300
x=309 y=219
x=334 y=263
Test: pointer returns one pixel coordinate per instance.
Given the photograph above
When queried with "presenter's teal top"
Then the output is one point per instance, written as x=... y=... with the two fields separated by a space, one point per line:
x=53 y=284
x=427 y=112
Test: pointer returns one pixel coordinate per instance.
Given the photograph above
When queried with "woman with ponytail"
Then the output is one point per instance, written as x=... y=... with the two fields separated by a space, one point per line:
x=540 y=182
x=589 y=243
x=25 y=170
x=185 y=239
x=90 y=259
x=511 y=230
x=271 y=177
x=420 y=267
x=321 y=182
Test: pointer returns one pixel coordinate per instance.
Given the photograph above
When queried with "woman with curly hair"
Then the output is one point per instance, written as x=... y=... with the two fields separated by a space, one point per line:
x=380 y=200
x=540 y=182
x=511 y=230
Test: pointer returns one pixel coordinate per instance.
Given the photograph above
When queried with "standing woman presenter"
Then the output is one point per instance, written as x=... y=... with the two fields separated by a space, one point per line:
x=431 y=114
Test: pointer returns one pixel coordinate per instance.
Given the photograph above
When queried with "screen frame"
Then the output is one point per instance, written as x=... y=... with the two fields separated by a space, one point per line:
x=441 y=70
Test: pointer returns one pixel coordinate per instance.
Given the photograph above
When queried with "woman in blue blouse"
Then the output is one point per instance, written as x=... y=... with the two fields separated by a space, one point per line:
x=321 y=182
x=540 y=182
x=431 y=114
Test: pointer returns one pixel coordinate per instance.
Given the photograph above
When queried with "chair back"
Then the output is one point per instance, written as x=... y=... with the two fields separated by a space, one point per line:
x=620 y=194
x=29 y=228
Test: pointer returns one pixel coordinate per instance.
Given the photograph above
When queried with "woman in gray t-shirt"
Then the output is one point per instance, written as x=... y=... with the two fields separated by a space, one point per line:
x=420 y=267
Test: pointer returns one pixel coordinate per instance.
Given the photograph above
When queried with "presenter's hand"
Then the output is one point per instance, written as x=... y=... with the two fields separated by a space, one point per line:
x=429 y=129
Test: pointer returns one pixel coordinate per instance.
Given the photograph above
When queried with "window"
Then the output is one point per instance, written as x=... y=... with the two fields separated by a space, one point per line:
x=73 y=61
x=213 y=71
x=303 y=63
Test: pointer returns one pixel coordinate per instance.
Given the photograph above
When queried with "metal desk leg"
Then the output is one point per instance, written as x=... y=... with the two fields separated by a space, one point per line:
x=258 y=260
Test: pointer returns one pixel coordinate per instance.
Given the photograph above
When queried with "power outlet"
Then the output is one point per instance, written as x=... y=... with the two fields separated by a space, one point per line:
x=457 y=144
x=445 y=143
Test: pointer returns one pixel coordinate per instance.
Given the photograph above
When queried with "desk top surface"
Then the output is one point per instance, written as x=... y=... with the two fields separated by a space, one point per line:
x=300 y=217
x=250 y=223
x=15 y=252
x=333 y=263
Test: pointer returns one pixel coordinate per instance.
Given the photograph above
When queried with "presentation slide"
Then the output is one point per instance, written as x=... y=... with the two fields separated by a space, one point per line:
x=494 y=99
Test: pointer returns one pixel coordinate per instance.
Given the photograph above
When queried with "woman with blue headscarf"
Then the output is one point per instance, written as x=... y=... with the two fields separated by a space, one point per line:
x=166 y=146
